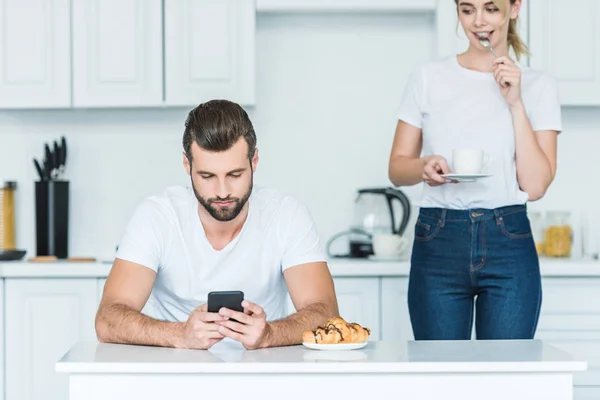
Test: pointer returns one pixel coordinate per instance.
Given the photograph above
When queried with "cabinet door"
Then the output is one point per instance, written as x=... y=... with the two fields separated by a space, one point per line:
x=570 y=320
x=44 y=318
x=358 y=301
x=565 y=42
x=101 y=282
x=395 y=320
x=35 y=54
x=451 y=38
x=117 y=53
x=209 y=51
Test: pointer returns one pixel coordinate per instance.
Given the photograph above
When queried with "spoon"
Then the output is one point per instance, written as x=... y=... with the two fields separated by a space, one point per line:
x=486 y=43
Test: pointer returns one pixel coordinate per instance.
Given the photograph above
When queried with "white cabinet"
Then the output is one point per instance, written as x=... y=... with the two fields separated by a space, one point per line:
x=117 y=53
x=43 y=319
x=450 y=35
x=126 y=53
x=395 y=319
x=209 y=51
x=570 y=320
x=101 y=283
x=358 y=301
x=565 y=42
x=35 y=65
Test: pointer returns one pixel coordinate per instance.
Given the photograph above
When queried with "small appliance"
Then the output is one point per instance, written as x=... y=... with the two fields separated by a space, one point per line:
x=376 y=210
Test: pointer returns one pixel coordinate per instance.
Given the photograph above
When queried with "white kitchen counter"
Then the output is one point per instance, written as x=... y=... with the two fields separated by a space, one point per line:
x=339 y=268
x=417 y=370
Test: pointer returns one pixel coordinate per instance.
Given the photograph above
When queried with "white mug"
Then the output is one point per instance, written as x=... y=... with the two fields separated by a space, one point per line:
x=388 y=245
x=468 y=161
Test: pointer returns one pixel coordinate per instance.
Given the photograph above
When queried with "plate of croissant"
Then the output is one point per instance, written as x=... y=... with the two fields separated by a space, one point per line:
x=337 y=334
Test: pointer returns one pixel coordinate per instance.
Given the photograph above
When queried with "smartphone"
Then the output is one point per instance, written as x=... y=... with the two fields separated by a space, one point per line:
x=228 y=299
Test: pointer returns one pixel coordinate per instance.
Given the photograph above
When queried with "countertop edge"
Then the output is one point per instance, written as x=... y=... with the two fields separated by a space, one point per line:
x=364 y=268
x=309 y=367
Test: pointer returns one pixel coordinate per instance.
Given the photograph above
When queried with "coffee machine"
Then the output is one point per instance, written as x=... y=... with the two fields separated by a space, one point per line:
x=376 y=210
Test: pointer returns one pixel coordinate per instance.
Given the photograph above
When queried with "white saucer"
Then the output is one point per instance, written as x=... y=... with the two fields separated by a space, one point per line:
x=465 y=177
x=335 y=347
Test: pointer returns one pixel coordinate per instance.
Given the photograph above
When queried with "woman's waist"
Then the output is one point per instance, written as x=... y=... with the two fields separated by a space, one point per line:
x=470 y=214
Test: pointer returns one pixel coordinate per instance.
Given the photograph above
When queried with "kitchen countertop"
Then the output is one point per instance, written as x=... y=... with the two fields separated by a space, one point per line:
x=377 y=357
x=339 y=268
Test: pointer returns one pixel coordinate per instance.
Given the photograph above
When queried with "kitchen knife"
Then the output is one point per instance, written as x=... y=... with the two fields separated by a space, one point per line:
x=39 y=170
x=56 y=156
x=51 y=166
x=46 y=169
x=63 y=155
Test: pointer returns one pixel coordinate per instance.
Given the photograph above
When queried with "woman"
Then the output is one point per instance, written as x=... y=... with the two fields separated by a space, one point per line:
x=473 y=247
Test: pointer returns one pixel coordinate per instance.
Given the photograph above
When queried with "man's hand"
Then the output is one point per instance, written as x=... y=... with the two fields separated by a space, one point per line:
x=251 y=328
x=200 y=330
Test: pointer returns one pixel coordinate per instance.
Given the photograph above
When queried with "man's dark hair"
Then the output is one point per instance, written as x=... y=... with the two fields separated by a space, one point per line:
x=216 y=126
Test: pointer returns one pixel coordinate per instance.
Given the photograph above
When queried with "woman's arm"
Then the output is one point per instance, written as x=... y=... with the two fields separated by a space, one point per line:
x=535 y=151
x=535 y=155
x=406 y=168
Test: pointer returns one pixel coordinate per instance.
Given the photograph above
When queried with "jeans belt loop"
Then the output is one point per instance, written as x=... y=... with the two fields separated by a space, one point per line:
x=498 y=216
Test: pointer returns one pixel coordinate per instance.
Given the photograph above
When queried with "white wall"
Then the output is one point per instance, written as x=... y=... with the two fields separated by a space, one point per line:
x=327 y=88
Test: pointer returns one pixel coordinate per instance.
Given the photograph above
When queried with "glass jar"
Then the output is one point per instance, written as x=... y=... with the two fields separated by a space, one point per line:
x=559 y=234
x=538 y=231
x=7 y=216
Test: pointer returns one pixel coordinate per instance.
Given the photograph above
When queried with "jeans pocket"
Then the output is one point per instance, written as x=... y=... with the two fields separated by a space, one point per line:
x=516 y=225
x=426 y=228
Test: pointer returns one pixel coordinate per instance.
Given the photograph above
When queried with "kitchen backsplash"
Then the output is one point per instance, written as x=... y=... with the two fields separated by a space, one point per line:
x=327 y=90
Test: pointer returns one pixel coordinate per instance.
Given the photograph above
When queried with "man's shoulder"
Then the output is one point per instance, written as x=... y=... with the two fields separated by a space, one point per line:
x=168 y=201
x=275 y=203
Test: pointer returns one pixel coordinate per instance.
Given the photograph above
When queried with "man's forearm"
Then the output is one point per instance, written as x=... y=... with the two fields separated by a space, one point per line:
x=117 y=323
x=288 y=331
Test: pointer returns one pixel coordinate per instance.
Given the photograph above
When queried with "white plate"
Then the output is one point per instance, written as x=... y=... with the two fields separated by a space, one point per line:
x=335 y=347
x=465 y=177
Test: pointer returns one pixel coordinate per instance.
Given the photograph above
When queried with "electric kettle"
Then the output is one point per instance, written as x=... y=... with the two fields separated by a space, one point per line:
x=376 y=210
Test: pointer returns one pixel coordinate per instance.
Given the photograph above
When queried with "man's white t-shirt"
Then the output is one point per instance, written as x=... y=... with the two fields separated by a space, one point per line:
x=165 y=234
x=460 y=108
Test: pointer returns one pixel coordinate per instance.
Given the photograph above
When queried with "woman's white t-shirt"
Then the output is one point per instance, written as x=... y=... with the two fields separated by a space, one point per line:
x=460 y=108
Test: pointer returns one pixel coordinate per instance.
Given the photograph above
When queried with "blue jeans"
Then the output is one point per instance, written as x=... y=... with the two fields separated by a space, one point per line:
x=479 y=259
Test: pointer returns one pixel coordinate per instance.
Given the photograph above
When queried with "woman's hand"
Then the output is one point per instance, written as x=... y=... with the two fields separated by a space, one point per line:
x=508 y=76
x=435 y=167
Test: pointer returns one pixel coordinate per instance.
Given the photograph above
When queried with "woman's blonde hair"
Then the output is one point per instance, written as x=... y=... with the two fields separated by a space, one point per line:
x=514 y=40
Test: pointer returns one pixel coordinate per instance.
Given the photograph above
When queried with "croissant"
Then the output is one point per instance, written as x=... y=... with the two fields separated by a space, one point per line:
x=337 y=331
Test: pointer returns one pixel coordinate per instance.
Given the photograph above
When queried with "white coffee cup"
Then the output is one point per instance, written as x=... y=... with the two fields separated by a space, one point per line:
x=388 y=245
x=468 y=161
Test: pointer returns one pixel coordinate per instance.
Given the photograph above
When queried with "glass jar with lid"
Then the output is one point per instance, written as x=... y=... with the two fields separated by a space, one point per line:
x=559 y=234
x=537 y=229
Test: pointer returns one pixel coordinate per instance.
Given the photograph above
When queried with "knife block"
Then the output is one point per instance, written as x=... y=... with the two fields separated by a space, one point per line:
x=52 y=218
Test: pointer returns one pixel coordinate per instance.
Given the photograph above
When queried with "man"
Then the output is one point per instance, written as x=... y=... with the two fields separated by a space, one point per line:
x=220 y=234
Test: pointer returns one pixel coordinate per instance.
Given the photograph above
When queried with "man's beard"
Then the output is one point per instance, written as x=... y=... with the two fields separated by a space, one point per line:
x=224 y=214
